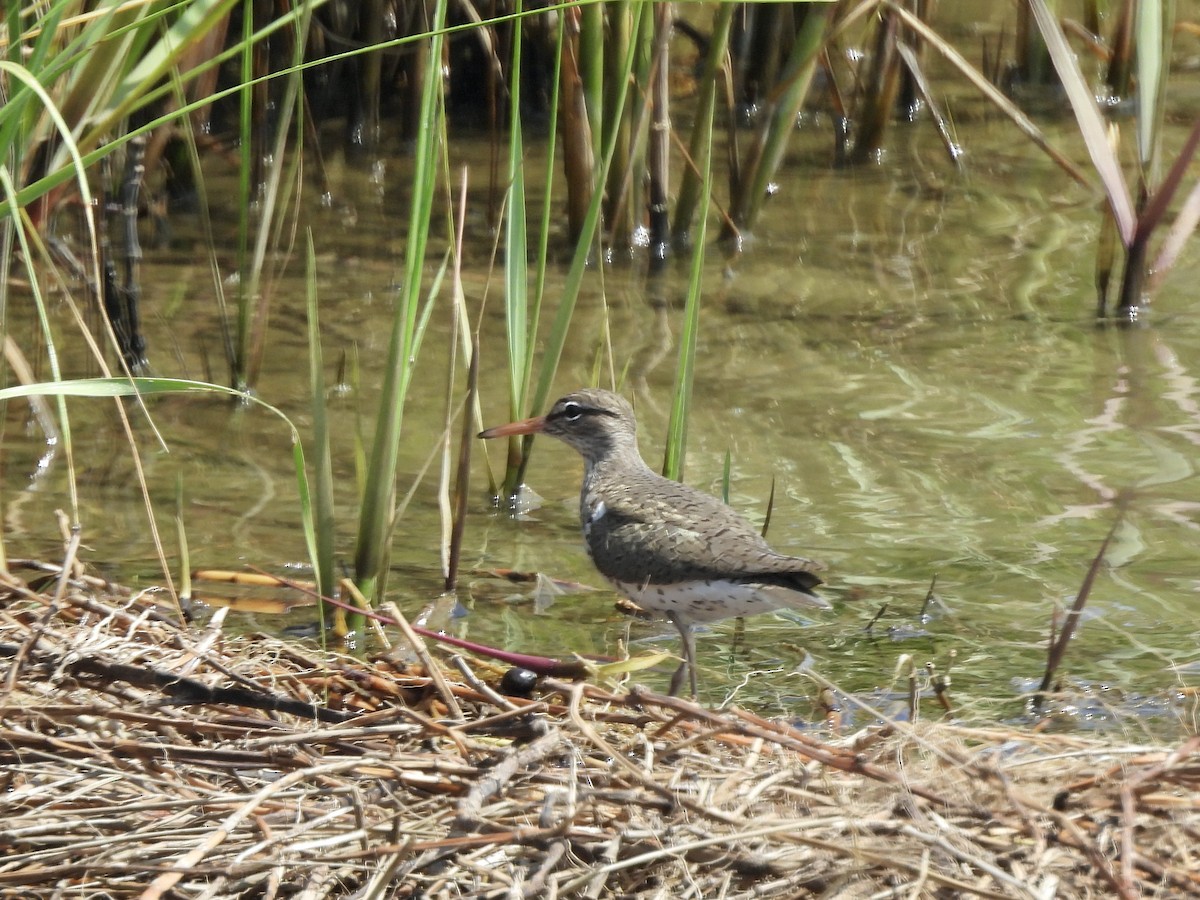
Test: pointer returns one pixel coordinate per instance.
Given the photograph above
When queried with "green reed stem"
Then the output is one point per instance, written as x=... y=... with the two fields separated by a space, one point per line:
x=321 y=541
x=591 y=65
x=456 y=503
x=520 y=327
x=574 y=280
x=375 y=519
x=1153 y=36
x=676 y=446
x=523 y=322
x=246 y=149
x=543 y=247
x=277 y=192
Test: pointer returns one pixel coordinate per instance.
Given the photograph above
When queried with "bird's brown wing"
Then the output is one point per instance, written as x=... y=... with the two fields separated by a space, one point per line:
x=660 y=537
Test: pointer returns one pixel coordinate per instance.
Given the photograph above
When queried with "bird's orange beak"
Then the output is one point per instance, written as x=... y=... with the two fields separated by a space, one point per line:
x=525 y=426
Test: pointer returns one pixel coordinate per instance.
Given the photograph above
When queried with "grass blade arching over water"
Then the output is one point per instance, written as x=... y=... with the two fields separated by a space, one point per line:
x=142 y=387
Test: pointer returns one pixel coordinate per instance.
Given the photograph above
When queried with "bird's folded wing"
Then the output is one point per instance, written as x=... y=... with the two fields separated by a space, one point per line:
x=657 y=529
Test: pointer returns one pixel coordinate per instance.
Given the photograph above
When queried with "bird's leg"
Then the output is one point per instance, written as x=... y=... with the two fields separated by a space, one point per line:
x=689 y=656
x=677 y=680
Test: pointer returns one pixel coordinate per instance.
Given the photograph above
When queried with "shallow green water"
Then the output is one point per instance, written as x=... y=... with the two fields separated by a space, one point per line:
x=911 y=357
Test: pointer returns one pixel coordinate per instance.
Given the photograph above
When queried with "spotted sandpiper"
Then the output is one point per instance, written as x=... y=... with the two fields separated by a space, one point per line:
x=675 y=551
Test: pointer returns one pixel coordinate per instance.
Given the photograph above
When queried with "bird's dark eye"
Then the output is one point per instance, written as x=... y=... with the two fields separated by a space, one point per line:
x=572 y=411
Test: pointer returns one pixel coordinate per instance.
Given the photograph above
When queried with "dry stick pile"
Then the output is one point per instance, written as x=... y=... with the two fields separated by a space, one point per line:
x=141 y=759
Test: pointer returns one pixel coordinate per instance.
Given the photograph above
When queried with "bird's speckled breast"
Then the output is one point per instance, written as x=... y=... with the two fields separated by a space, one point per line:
x=704 y=601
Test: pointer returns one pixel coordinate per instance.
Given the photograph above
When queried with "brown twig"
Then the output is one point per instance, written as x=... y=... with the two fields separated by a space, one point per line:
x=1058 y=648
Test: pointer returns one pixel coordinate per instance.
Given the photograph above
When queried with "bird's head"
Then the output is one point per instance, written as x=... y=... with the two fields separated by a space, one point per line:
x=593 y=421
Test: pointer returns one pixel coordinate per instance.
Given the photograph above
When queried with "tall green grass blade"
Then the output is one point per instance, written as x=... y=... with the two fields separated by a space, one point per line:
x=277 y=191
x=247 y=147
x=1153 y=53
x=557 y=337
x=321 y=541
x=677 y=428
x=520 y=328
x=462 y=482
x=543 y=246
x=591 y=64
x=518 y=452
x=518 y=325
x=307 y=520
x=375 y=518
x=456 y=501
x=448 y=505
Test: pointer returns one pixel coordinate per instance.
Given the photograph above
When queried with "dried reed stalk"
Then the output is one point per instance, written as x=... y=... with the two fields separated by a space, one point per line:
x=276 y=769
